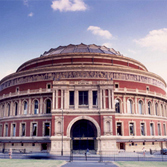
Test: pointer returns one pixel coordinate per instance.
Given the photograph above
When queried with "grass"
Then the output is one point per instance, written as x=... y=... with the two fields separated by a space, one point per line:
x=30 y=163
x=140 y=163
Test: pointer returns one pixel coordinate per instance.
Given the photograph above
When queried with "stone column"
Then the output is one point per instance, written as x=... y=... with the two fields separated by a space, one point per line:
x=41 y=104
x=136 y=105
x=109 y=98
x=112 y=103
x=11 y=108
x=29 y=108
x=90 y=99
x=62 y=99
x=66 y=99
x=56 y=98
x=19 y=109
x=104 y=99
x=53 y=99
x=145 y=108
x=124 y=104
x=76 y=99
x=100 y=101
x=153 y=108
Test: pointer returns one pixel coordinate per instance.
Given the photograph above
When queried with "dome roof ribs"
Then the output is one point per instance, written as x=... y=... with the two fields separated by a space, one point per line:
x=81 y=48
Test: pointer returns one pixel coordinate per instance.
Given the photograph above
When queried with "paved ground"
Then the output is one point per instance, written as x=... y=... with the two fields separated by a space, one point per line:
x=89 y=164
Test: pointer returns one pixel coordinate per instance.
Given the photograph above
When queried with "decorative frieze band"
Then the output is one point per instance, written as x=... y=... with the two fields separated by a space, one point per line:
x=56 y=76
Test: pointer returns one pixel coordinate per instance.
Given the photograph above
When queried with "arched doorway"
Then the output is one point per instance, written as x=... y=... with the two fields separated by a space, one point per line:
x=83 y=135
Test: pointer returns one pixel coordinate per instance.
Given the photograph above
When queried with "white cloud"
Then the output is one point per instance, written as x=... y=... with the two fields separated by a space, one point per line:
x=109 y=45
x=156 y=39
x=132 y=51
x=25 y=2
x=100 y=32
x=68 y=5
x=31 y=14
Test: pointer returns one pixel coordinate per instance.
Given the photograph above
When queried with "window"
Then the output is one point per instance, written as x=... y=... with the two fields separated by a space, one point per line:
x=48 y=106
x=164 y=129
x=151 y=129
x=16 y=108
x=13 y=129
x=36 y=107
x=48 y=86
x=94 y=94
x=149 y=108
x=25 y=107
x=142 y=129
x=156 y=109
x=144 y=143
x=152 y=143
x=8 y=109
x=71 y=98
x=34 y=129
x=162 y=111
x=116 y=85
x=147 y=88
x=117 y=106
x=159 y=130
x=131 y=129
x=17 y=89
x=140 y=107
x=119 y=129
x=6 y=130
x=23 y=126
x=47 y=129
x=83 y=97
x=0 y=130
x=22 y=144
x=129 y=106
x=33 y=144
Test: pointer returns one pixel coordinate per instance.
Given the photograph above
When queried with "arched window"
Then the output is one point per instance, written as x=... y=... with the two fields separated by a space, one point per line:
x=117 y=106
x=129 y=106
x=25 y=107
x=16 y=108
x=36 y=107
x=48 y=106
x=149 y=108
x=8 y=109
x=140 y=107
x=156 y=108
x=3 y=111
x=162 y=111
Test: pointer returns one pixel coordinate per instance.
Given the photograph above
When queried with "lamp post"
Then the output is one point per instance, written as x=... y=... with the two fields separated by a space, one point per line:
x=62 y=133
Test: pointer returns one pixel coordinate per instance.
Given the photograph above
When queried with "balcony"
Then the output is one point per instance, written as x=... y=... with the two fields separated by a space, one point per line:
x=140 y=92
x=25 y=93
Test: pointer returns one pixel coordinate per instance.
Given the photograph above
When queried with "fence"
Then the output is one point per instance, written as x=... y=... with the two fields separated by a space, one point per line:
x=125 y=156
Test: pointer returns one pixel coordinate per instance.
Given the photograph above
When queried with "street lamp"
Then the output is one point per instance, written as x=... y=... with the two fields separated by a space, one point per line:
x=62 y=133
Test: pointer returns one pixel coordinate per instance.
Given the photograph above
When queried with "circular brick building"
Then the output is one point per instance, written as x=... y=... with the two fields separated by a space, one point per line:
x=82 y=96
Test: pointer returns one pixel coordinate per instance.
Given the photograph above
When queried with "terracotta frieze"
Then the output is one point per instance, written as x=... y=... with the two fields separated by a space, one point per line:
x=56 y=76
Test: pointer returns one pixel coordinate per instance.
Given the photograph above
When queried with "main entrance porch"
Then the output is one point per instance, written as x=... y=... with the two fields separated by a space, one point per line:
x=83 y=135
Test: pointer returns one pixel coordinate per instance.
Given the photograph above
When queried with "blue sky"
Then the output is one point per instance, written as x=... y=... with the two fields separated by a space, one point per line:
x=136 y=28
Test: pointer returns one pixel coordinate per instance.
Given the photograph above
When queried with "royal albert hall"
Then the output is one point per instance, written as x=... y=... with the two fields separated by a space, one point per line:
x=83 y=96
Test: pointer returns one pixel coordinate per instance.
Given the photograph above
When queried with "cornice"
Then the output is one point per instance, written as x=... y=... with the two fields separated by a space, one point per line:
x=81 y=68
x=73 y=55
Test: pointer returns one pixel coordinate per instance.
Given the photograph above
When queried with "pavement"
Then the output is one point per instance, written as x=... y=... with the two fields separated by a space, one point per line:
x=90 y=164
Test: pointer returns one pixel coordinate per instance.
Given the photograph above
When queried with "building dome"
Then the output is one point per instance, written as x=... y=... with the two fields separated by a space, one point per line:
x=90 y=94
